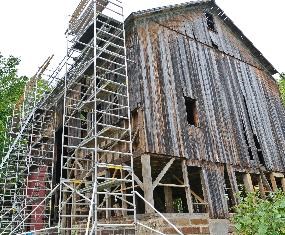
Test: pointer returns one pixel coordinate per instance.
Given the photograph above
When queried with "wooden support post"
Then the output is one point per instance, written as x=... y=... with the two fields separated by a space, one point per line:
x=261 y=187
x=283 y=184
x=273 y=182
x=147 y=182
x=187 y=187
x=248 y=182
x=168 y=199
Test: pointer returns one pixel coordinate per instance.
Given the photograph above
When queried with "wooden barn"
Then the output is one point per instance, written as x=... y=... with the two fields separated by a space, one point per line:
x=206 y=112
x=171 y=111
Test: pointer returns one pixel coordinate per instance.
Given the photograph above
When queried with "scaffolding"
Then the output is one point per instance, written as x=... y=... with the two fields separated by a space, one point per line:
x=27 y=169
x=96 y=177
x=96 y=164
x=70 y=171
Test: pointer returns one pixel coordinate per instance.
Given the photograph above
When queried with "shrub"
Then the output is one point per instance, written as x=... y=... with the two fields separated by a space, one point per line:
x=256 y=216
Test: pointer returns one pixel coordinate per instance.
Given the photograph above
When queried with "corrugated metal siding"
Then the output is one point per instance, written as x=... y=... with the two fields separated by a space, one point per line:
x=174 y=57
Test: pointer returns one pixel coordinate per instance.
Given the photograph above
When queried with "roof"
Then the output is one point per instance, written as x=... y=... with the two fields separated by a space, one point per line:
x=214 y=8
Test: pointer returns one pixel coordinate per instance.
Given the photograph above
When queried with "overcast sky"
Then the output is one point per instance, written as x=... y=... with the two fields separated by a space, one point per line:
x=34 y=29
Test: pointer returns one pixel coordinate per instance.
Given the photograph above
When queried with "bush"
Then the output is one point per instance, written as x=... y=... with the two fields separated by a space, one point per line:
x=256 y=216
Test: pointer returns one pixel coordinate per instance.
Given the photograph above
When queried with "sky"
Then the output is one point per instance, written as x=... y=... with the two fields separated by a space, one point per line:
x=35 y=29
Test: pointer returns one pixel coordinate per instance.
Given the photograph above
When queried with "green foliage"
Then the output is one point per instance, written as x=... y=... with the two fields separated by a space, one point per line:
x=281 y=84
x=256 y=216
x=11 y=89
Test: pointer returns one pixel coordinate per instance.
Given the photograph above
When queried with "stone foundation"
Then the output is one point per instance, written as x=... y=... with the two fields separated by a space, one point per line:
x=187 y=224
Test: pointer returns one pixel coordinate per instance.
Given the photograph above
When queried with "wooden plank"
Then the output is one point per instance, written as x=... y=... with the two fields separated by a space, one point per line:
x=162 y=173
x=168 y=199
x=283 y=184
x=273 y=182
x=278 y=175
x=248 y=182
x=187 y=188
x=147 y=182
x=261 y=187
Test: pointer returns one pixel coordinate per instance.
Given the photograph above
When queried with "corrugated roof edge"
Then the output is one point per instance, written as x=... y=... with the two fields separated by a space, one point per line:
x=266 y=64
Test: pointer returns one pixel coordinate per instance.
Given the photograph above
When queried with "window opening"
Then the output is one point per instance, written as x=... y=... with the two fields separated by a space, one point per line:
x=240 y=183
x=210 y=21
x=191 y=110
x=197 y=192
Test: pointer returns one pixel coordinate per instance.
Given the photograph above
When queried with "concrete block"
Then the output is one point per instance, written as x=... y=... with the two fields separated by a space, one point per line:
x=219 y=227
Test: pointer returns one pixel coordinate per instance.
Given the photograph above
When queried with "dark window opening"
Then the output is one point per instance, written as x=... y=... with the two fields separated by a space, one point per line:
x=159 y=202
x=191 y=110
x=255 y=182
x=278 y=182
x=229 y=191
x=240 y=183
x=210 y=21
x=140 y=205
x=179 y=201
x=197 y=192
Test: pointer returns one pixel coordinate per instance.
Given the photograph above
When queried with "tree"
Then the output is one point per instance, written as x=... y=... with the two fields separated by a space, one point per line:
x=256 y=216
x=11 y=89
x=281 y=84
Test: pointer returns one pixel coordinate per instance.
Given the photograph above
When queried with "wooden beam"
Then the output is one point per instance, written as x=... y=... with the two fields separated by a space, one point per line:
x=248 y=182
x=278 y=175
x=172 y=185
x=162 y=173
x=168 y=199
x=283 y=184
x=187 y=188
x=273 y=182
x=265 y=181
x=261 y=187
x=147 y=182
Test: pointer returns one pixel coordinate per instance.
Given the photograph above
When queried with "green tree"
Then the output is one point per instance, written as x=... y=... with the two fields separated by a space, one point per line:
x=11 y=89
x=256 y=216
x=281 y=84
